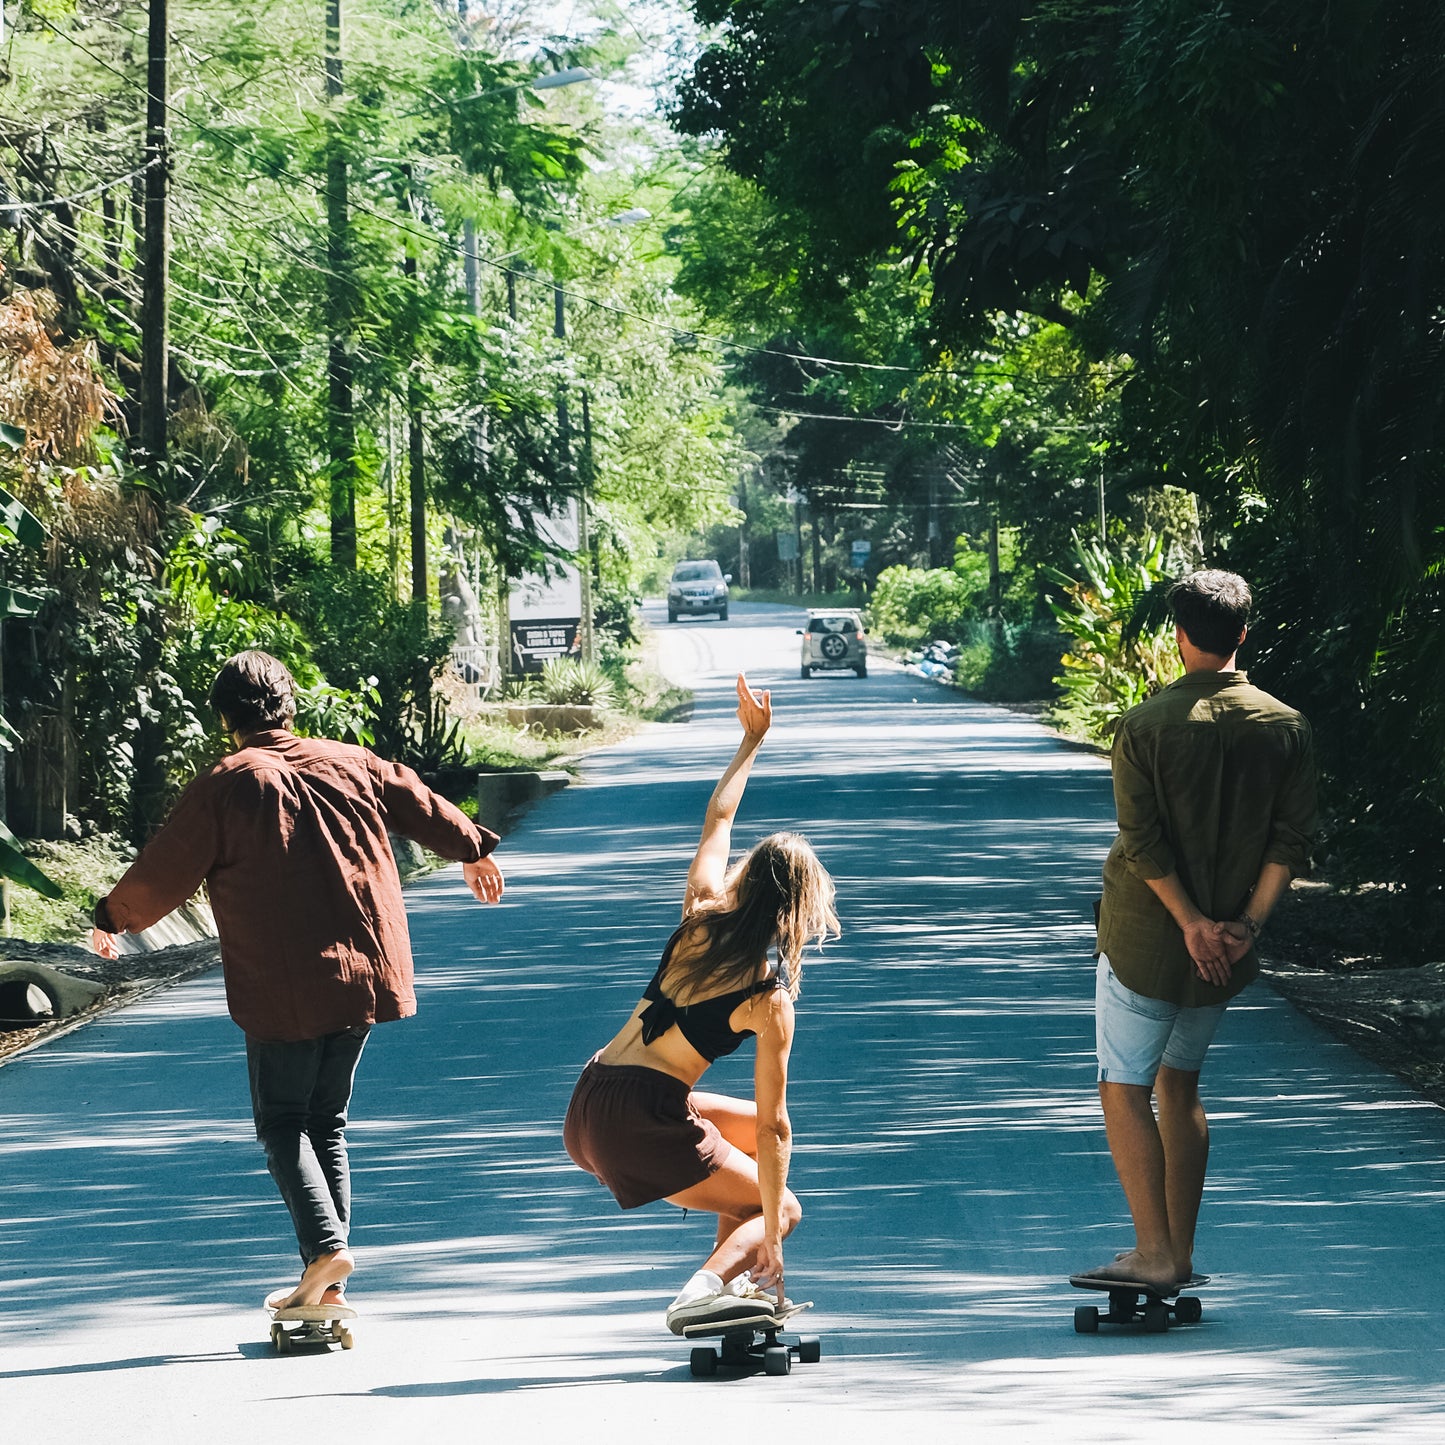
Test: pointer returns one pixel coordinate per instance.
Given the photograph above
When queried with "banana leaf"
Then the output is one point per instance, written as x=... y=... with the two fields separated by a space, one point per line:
x=15 y=866
x=14 y=603
x=19 y=522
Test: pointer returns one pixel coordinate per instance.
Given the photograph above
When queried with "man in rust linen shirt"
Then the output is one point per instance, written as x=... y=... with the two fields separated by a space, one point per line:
x=1214 y=784
x=290 y=835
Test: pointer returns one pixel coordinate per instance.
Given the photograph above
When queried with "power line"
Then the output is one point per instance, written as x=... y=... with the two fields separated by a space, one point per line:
x=447 y=244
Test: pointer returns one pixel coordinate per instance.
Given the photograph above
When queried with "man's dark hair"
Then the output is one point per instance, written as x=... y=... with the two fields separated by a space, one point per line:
x=1213 y=609
x=254 y=691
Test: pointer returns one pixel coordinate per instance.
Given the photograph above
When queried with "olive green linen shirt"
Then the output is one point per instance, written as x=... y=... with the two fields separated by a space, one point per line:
x=1213 y=778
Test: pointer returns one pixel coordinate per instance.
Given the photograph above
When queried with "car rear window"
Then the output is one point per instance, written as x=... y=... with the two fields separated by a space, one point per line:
x=832 y=624
x=697 y=572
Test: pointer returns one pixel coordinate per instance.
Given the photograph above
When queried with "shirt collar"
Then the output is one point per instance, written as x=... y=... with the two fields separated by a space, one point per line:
x=1208 y=681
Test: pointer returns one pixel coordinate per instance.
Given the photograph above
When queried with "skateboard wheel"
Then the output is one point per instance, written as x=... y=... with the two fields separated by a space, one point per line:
x=1086 y=1320
x=1156 y=1318
x=345 y=1338
x=703 y=1360
x=281 y=1338
x=810 y=1349
x=1188 y=1310
x=777 y=1360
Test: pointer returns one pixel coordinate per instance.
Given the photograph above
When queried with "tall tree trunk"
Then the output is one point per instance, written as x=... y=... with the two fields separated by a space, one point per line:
x=340 y=402
x=416 y=480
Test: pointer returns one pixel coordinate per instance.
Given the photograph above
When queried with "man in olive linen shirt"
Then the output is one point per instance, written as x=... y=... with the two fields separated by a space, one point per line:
x=290 y=834
x=1214 y=787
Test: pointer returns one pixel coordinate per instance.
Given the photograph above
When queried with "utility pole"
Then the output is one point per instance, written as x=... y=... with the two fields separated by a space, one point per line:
x=148 y=780
x=798 y=539
x=564 y=454
x=415 y=427
x=744 y=569
x=584 y=539
x=155 y=359
x=340 y=411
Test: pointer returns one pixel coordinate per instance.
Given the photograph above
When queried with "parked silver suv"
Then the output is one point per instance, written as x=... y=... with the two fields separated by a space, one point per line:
x=833 y=640
x=698 y=587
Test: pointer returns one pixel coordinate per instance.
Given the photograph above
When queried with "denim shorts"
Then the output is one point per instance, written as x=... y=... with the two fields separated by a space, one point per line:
x=1136 y=1034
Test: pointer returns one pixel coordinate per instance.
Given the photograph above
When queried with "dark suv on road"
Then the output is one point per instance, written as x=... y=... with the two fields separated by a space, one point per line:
x=698 y=587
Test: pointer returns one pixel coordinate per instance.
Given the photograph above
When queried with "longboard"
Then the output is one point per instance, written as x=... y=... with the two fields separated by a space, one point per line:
x=751 y=1341
x=1131 y=1300
x=314 y=1325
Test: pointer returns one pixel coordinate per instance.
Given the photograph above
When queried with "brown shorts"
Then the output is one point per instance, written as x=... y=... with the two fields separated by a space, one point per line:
x=639 y=1132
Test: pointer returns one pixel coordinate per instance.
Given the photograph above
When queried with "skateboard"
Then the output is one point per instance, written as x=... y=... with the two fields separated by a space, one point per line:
x=1131 y=1300
x=750 y=1342
x=314 y=1325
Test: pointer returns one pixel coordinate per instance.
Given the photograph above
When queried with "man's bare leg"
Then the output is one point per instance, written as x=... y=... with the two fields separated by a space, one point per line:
x=1138 y=1151
x=1184 y=1132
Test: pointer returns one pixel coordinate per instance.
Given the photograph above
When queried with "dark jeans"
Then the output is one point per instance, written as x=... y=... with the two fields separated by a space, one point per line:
x=299 y=1096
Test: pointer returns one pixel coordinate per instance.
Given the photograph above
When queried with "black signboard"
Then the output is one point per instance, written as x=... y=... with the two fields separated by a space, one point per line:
x=536 y=641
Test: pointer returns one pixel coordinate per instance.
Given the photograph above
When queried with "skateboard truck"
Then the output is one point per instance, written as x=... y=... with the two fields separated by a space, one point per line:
x=1132 y=1300
x=747 y=1343
x=314 y=1325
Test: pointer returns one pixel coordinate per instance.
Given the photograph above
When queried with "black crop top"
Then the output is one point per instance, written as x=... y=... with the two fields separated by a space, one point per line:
x=704 y=1024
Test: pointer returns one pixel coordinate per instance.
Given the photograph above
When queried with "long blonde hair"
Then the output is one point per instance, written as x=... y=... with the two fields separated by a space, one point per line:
x=777 y=895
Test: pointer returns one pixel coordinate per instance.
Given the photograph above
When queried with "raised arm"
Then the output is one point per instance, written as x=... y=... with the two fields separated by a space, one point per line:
x=709 y=865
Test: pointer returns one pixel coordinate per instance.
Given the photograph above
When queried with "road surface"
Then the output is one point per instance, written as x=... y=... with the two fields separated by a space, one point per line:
x=949 y=1154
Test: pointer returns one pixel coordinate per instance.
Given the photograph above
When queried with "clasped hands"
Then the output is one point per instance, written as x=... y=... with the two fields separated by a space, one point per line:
x=1216 y=947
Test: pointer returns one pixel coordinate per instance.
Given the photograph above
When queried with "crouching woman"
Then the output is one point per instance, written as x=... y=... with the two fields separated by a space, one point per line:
x=636 y=1120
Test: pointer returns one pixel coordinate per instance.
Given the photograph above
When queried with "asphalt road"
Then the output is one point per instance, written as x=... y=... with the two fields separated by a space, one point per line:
x=949 y=1153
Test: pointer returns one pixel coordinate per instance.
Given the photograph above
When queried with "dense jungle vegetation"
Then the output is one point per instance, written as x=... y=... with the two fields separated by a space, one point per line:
x=1001 y=312
x=1131 y=287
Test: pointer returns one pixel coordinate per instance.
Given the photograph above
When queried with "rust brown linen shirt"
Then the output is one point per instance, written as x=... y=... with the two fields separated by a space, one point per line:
x=1213 y=778
x=290 y=834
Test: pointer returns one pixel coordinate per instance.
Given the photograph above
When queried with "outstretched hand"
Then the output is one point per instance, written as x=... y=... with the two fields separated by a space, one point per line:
x=755 y=709
x=104 y=943
x=485 y=880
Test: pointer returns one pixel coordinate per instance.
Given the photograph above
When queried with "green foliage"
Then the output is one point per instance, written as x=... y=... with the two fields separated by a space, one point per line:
x=84 y=870
x=384 y=653
x=565 y=680
x=910 y=605
x=1111 y=666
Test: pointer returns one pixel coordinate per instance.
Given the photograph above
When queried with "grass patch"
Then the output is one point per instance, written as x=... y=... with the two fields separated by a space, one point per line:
x=791 y=599
x=85 y=871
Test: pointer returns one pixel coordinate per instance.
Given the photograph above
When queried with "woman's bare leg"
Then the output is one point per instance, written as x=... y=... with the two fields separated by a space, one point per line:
x=732 y=1193
x=737 y=1121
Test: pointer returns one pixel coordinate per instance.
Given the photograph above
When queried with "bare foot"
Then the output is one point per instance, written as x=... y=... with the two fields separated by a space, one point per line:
x=1183 y=1272
x=324 y=1282
x=1131 y=1267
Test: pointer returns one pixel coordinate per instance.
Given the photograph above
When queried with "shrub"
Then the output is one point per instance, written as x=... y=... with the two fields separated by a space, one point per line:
x=1111 y=666
x=910 y=605
x=566 y=681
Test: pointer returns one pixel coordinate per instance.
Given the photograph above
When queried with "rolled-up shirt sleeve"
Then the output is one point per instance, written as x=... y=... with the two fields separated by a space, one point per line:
x=1142 y=842
x=1295 y=817
x=171 y=867
x=428 y=818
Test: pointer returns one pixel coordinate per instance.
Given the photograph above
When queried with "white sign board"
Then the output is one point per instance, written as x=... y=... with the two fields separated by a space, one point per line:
x=545 y=611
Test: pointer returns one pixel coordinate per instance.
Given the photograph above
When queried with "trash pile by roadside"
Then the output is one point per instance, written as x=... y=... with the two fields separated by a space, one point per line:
x=938 y=659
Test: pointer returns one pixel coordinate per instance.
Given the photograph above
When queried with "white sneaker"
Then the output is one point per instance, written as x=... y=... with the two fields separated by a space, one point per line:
x=717 y=1309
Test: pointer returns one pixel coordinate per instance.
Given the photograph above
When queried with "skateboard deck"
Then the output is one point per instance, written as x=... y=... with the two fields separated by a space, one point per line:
x=751 y=1341
x=306 y=1325
x=1131 y=1300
